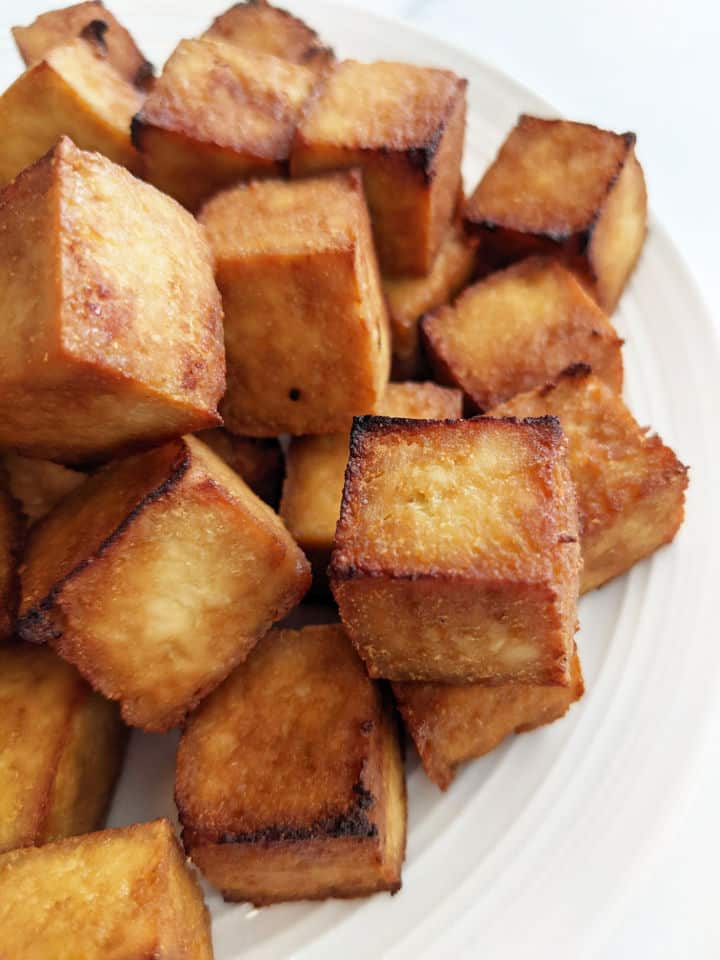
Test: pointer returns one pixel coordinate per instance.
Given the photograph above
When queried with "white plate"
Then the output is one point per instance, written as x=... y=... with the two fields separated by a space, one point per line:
x=532 y=847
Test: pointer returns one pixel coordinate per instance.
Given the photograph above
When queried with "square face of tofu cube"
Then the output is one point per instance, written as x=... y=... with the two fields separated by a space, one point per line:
x=404 y=125
x=456 y=555
x=125 y=894
x=218 y=114
x=451 y=723
x=131 y=356
x=408 y=298
x=567 y=189
x=61 y=749
x=157 y=576
x=11 y=532
x=290 y=780
x=306 y=333
x=517 y=329
x=257 y=26
x=37 y=485
x=72 y=92
x=57 y=27
x=260 y=462
x=630 y=486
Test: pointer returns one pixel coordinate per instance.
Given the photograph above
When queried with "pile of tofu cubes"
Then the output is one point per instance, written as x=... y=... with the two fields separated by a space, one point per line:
x=208 y=278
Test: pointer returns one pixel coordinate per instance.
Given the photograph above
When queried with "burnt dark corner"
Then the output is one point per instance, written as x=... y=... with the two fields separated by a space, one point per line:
x=137 y=125
x=95 y=32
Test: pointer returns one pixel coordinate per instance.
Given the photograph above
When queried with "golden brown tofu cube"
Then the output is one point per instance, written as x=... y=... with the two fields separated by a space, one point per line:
x=517 y=329
x=630 y=486
x=10 y=544
x=566 y=189
x=456 y=555
x=259 y=461
x=257 y=26
x=73 y=91
x=218 y=114
x=57 y=27
x=157 y=576
x=404 y=126
x=37 y=485
x=306 y=331
x=114 y=895
x=408 y=298
x=110 y=315
x=61 y=749
x=290 y=780
x=313 y=486
x=451 y=723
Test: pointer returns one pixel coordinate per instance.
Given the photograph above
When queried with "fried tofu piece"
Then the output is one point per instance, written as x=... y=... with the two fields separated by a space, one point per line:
x=157 y=577
x=10 y=543
x=517 y=329
x=566 y=189
x=129 y=356
x=61 y=749
x=218 y=114
x=408 y=298
x=73 y=91
x=290 y=780
x=456 y=555
x=306 y=330
x=404 y=126
x=114 y=895
x=257 y=26
x=37 y=485
x=451 y=723
x=260 y=462
x=57 y=27
x=313 y=485
x=630 y=486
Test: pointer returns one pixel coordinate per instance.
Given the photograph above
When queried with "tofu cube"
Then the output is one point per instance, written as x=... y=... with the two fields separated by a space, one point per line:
x=451 y=723
x=218 y=114
x=120 y=894
x=313 y=485
x=61 y=749
x=456 y=555
x=131 y=356
x=157 y=577
x=408 y=298
x=566 y=189
x=517 y=329
x=404 y=126
x=11 y=530
x=630 y=486
x=37 y=485
x=57 y=27
x=75 y=92
x=306 y=331
x=257 y=26
x=290 y=780
x=260 y=462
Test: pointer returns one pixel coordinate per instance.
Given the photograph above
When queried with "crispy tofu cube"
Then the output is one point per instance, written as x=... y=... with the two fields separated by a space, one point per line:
x=306 y=332
x=57 y=27
x=218 y=114
x=37 y=485
x=290 y=780
x=630 y=486
x=129 y=356
x=451 y=723
x=73 y=91
x=313 y=485
x=456 y=555
x=408 y=298
x=257 y=26
x=260 y=462
x=120 y=894
x=517 y=329
x=566 y=189
x=10 y=543
x=61 y=749
x=404 y=126
x=157 y=577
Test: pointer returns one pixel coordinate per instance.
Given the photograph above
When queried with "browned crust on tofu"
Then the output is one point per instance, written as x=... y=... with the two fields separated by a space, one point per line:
x=258 y=460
